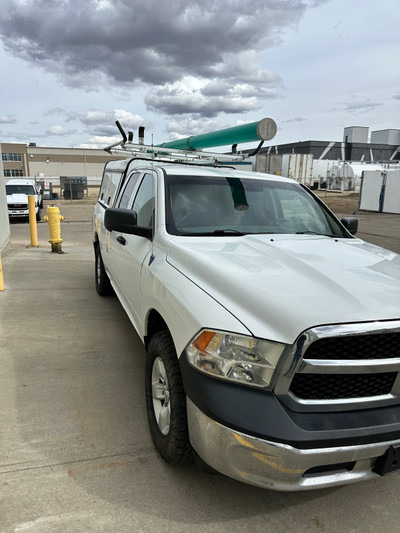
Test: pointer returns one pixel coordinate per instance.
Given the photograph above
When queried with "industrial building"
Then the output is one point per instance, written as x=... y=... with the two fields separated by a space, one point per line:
x=46 y=162
x=383 y=146
x=335 y=165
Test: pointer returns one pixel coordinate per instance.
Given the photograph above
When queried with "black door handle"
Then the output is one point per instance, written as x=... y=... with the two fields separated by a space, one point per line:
x=121 y=240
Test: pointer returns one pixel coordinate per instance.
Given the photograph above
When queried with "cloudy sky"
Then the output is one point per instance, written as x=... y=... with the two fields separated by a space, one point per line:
x=72 y=67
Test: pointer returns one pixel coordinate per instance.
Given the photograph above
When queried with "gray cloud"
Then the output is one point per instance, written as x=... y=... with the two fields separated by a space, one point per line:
x=99 y=123
x=361 y=107
x=20 y=136
x=177 y=129
x=55 y=111
x=96 y=117
x=295 y=119
x=59 y=131
x=153 y=42
x=8 y=119
x=178 y=100
x=126 y=42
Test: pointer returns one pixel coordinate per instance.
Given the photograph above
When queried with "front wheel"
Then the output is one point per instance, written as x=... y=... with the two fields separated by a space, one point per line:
x=166 y=400
x=103 y=285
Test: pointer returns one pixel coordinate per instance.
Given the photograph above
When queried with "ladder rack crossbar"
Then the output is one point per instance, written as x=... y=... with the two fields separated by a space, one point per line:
x=154 y=152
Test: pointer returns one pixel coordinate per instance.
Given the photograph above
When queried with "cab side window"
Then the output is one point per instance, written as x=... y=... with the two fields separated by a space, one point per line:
x=126 y=195
x=144 y=202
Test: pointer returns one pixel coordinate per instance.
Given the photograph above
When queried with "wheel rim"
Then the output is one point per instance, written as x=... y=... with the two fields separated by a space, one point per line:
x=161 y=396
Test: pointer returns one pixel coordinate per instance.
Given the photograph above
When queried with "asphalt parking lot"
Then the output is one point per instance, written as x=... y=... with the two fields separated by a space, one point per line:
x=76 y=453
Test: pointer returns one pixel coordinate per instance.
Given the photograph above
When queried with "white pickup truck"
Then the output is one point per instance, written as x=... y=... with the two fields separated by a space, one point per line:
x=272 y=333
x=17 y=191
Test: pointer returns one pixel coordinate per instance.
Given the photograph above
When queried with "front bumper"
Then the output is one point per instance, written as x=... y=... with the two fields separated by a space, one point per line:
x=18 y=213
x=275 y=465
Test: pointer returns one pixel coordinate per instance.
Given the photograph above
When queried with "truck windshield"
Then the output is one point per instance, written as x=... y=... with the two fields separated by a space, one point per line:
x=198 y=205
x=20 y=189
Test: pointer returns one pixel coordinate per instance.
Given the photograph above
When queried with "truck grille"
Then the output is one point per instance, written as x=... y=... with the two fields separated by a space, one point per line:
x=342 y=386
x=18 y=206
x=356 y=347
x=343 y=366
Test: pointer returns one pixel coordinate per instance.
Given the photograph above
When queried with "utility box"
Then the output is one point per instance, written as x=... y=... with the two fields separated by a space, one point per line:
x=73 y=188
x=47 y=189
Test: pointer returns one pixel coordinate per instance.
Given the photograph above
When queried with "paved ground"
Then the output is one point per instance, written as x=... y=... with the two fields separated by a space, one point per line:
x=75 y=451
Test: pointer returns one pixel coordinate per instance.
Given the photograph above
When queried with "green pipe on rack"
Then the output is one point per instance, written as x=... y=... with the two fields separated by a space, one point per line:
x=262 y=130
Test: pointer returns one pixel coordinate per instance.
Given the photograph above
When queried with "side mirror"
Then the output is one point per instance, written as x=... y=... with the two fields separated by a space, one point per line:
x=351 y=224
x=125 y=221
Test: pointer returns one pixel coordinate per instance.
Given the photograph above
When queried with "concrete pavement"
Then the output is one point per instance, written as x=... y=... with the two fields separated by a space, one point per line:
x=380 y=229
x=75 y=451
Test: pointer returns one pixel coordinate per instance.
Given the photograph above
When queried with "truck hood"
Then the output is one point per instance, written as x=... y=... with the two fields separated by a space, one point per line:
x=281 y=285
x=17 y=199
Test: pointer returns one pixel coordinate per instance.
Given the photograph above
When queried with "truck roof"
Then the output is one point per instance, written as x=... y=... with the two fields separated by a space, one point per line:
x=190 y=169
x=21 y=182
x=209 y=171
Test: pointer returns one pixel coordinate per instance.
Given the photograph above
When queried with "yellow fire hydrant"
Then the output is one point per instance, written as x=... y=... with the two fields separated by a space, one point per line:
x=54 y=218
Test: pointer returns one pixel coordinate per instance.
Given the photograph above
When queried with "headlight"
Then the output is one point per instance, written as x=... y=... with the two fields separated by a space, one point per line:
x=235 y=357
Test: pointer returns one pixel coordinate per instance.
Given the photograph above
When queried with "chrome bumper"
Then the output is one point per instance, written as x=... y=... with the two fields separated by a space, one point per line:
x=20 y=213
x=278 y=466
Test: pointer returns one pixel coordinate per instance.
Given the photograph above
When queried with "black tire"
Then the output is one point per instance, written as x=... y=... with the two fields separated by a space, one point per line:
x=103 y=285
x=38 y=216
x=172 y=439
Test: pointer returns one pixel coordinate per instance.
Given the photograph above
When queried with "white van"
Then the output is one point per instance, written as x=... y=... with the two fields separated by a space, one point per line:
x=17 y=191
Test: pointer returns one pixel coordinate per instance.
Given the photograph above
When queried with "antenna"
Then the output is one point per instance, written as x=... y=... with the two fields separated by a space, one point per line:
x=152 y=144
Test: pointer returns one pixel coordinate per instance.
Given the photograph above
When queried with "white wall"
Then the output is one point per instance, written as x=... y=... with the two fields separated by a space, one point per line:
x=65 y=169
x=92 y=181
x=4 y=221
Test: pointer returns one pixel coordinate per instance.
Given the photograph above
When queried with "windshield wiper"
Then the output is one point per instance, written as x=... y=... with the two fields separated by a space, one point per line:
x=316 y=233
x=227 y=232
x=216 y=233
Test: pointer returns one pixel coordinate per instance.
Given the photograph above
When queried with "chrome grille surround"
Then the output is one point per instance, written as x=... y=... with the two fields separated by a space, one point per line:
x=297 y=363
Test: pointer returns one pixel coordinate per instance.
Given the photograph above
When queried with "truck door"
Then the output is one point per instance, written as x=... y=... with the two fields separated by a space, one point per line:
x=129 y=251
x=114 y=251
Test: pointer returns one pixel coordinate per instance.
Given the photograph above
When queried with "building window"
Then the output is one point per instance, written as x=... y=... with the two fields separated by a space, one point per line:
x=12 y=157
x=12 y=173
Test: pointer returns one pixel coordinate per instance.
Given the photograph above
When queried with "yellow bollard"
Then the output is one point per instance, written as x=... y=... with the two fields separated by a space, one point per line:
x=32 y=221
x=54 y=218
x=1 y=277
